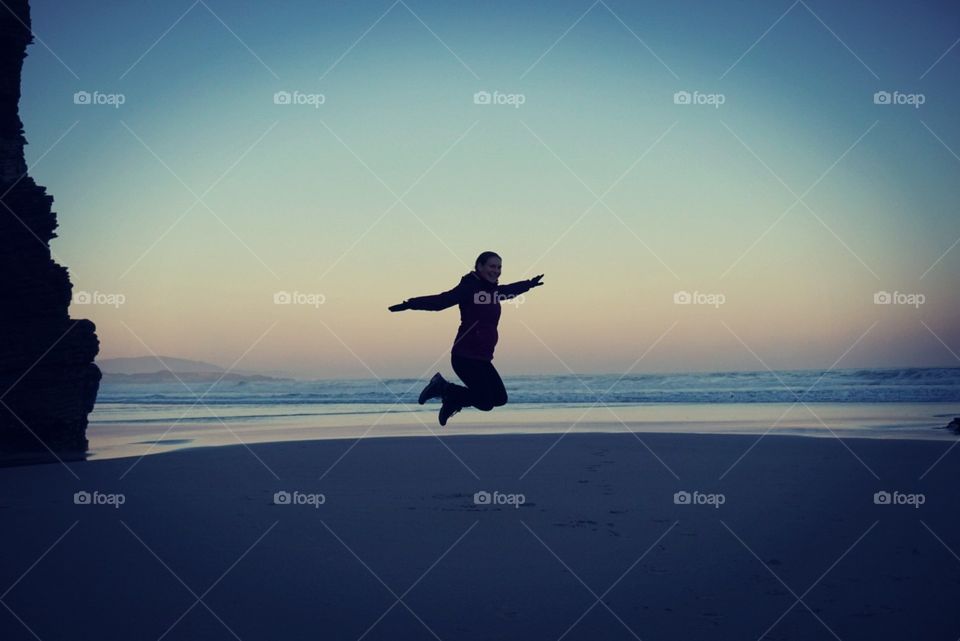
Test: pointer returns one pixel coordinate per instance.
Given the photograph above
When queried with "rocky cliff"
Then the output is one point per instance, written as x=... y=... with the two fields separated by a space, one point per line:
x=48 y=382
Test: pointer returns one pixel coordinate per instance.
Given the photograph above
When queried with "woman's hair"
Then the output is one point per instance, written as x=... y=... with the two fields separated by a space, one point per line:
x=484 y=257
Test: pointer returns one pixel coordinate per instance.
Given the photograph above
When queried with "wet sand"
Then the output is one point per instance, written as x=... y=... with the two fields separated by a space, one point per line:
x=584 y=537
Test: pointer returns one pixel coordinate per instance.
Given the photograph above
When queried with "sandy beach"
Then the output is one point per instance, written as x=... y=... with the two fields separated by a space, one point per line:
x=583 y=537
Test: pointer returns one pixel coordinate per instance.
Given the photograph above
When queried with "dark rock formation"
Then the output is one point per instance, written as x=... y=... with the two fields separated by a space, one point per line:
x=48 y=382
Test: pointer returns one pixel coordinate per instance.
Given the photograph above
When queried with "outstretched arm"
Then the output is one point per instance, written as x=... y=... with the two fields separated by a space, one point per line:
x=519 y=287
x=433 y=303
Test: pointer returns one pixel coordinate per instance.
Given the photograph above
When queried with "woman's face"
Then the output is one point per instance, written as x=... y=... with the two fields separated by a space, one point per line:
x=490 y=271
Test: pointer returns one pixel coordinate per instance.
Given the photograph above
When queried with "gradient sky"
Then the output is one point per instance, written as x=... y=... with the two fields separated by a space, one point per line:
x=693 y=196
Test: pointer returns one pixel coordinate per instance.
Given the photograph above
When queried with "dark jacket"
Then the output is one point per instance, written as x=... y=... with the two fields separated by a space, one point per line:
x=479 y=302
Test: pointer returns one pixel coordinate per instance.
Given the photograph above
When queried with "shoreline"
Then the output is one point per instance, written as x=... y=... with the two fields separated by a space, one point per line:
x=885 y=422
x=132 y=440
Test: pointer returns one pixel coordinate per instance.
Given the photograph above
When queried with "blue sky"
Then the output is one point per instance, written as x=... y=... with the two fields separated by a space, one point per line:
x=391 y=186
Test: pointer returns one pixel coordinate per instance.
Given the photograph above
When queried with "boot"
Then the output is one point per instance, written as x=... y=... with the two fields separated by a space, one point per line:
x=434 y=389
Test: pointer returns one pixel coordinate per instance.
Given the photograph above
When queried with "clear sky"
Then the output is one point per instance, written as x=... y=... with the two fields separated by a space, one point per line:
x=783 y=187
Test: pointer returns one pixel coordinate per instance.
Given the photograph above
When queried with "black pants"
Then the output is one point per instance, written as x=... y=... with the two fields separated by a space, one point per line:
x=484 y=389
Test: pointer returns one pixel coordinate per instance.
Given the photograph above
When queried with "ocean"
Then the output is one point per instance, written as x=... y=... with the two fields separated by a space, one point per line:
x=880 y=403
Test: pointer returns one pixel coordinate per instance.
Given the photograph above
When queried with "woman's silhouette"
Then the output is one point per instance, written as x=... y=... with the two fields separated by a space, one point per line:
x=478 y=296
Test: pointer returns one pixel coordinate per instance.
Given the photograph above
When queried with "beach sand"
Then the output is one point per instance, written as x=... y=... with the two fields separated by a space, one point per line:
x=398 y=548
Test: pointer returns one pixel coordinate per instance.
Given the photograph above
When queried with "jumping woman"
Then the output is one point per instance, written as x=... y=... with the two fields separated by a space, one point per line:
x=478 y=296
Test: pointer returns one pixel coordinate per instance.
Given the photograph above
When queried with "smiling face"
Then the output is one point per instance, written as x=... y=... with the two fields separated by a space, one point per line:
x=490 y=271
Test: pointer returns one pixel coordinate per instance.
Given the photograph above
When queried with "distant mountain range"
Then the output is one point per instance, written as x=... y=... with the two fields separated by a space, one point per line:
x=167 y=369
